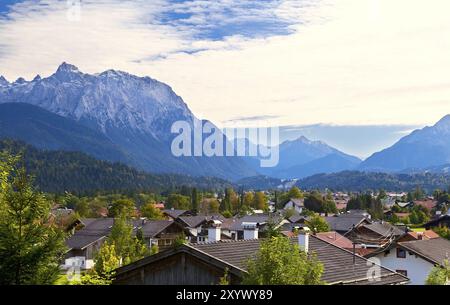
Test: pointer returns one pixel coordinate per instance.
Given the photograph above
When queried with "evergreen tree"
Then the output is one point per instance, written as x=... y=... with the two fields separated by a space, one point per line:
x=260 y=201
x=31 y=249
x=195 y=200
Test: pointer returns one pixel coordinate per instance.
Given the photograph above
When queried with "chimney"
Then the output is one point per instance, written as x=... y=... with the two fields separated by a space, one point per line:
x=250 y=230
x=303 y=239
x=214 y=230
x=419 y=235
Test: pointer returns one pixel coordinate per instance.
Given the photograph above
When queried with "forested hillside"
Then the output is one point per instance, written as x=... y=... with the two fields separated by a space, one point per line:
x=362 y=181
x=61 y=171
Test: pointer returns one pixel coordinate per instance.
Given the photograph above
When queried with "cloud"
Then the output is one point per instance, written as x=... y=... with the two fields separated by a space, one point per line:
x=357 y=62
x=257 y=118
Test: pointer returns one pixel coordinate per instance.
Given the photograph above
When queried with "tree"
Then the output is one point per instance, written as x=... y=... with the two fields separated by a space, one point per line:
x=128 y=247
x=225 y=279
x=150 y=211
x=230 y=202
x=289 y=212
x=314 y=202
x=418 y=193
x=442 y=231
x=248 y=199
x=179 y=240
x=280 y=262
x=260 y=201
x=318 y=224
x=294 y=192
x=439 y=275
x=209 y=205
x=382 y=194
x=194 y=200
x=227 y=214
x=122 y=207
x=31 y=249
x=106 y=261
x=82 y=207
x=178 y=202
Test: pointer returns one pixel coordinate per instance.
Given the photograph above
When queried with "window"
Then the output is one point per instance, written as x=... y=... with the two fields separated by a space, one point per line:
x=401 y=253
x=402 y=272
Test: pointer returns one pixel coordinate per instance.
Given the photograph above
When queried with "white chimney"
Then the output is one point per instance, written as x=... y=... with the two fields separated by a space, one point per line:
x=214 y=231
x=303 y=239
x=250 y=230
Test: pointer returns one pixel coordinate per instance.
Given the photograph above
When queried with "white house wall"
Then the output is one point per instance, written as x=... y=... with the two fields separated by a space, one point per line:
x=417 y=268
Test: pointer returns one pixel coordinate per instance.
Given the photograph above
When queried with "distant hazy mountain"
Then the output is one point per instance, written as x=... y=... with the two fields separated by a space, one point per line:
x=302 y=157
x=134 y=113
x=421 y=149
x=437 y=169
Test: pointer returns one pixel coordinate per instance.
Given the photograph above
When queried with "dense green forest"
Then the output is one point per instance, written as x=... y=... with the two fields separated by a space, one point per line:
x=78 y=173
x=354 y=181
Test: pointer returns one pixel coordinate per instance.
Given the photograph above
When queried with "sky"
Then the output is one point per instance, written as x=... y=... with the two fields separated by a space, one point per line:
x=358 y=74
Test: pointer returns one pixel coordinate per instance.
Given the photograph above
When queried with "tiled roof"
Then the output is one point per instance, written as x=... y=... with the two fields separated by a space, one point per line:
x=428 y=204
x=99 y=228
x=384 y=229
x=430 y=234
x=96 y=226
x=151 y=228
x=94 y=229
x=344 y=222
x=336 y=239
x=174 y=213
x=338 y=263
x=435 y=250
x=79 y=241
x=296 y=218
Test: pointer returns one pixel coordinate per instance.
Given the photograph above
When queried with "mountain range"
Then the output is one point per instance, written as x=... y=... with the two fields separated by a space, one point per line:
x=130 y=114
x=302 y=157
x=418 y=151
x=119 y=117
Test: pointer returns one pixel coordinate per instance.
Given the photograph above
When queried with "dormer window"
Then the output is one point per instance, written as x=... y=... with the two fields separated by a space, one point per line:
x=401 y=253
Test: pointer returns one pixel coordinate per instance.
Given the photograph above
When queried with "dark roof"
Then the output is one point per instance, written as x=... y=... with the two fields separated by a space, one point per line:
x=79 y=241
x=296 y=218
x=344 y=222
x=290 y=226
x=174 y=213
x=357 y=212
x=96 y=226
x=151 y=228
x=384 y=229
x=94 y=229
x=435 y=250
x=193 y=221
x=436 y=222
x=338 y=263
x=99 y=228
